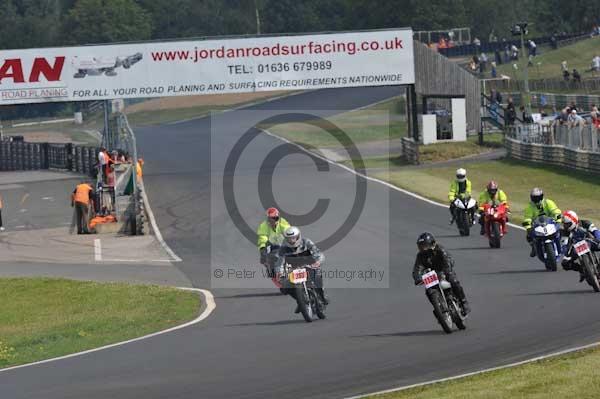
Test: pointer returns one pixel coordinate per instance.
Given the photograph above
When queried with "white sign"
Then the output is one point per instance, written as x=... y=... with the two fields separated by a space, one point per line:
x=158 y=69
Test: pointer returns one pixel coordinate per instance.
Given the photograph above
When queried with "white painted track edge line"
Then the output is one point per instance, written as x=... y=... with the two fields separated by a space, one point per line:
x=456 y=377
x=210 y=305
x=373 y=179
x=97 y=250
x=155 y=228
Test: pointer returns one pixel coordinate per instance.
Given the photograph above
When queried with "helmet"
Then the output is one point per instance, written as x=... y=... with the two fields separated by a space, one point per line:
x=461 y=175
x=492 y=188
x=292 y=236
x=426 y=242
x=570 y=220
x=273 y=213
x=537 y=195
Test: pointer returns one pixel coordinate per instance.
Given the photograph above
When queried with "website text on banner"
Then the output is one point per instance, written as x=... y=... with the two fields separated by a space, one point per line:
x=158 y=69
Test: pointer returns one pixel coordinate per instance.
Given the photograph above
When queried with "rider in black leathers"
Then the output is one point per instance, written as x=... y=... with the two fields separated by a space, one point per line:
x=433 y=256
x=299 y=252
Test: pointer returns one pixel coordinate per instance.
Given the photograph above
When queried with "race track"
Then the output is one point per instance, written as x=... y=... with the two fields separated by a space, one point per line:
x=253 y=346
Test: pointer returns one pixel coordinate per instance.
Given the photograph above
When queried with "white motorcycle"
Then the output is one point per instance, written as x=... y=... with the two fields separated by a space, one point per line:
x=464 y=214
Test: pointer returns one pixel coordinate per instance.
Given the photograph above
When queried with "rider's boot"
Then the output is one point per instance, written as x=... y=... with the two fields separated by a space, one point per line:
x=323 y=296
x=466 y=307
x=532 y=253
x=482 y=231
x=297 y=309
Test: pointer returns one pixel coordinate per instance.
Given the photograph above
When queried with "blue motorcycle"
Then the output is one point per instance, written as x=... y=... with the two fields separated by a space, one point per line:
x=546 y=241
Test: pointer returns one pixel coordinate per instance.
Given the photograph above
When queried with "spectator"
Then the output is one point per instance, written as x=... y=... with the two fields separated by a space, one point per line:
x=483 y=59
x=543 y=112
x=576 y=76
x=514 y=52
x=566 y=75
x=1 y=225
x=510 y=113
x=139 y=168
x=573 y=107
x=525 y=116
x=532 y=48
x=494 y=72
x=506 y=52
x=497 y=56
x=575 y=120
x=565 y=70
x=595 y=119
x=498 y=97
x=596 y=64
x=101 y=162
x=477 y=43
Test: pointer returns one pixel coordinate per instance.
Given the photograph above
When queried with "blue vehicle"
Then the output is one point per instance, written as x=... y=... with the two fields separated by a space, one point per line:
x=546 y=241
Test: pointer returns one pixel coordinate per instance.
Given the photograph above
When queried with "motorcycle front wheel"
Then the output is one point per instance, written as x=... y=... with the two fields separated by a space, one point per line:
x=495 y=235
x=550 y=257
x=443 y=317
x=304 y=304
x=589 y=270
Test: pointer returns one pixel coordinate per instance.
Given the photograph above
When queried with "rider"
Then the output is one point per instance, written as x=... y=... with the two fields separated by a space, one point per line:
x=579 y=229
x=299 y=251
x=538 y=207
x=489 y=196
x=459 y=188
x=270 y=232
x=433 y=256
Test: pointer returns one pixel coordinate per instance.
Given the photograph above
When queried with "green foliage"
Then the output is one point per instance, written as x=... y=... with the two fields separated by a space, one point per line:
x=38 y=23
x=105 y=21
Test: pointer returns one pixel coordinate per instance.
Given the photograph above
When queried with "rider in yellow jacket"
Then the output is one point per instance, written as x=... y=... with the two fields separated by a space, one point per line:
x=459 y=188
x=488 y=196
x=538 y=207
x=269 y=232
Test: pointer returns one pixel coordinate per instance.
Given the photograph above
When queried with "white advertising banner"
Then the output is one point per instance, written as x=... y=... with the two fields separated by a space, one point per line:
x=192 y=67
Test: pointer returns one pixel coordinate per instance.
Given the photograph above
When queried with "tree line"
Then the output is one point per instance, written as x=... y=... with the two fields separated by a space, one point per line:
x=43 y=23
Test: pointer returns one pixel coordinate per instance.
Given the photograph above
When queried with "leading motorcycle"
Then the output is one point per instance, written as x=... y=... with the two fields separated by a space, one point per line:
x=308 y=300
x=579 y=250
x=447 y=309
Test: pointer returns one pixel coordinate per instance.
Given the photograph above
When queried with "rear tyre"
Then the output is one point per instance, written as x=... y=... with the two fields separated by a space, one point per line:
x=444 y=318
x=589 y=270
x=550 y=257
x=319 y=306
x=495 y=235
x=456 y=316
x=304 y=305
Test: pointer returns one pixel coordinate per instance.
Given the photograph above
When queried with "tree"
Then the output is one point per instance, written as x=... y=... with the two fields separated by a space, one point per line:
x=106 y=21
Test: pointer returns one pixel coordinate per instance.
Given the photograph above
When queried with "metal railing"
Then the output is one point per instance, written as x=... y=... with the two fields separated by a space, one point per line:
x=581 y=137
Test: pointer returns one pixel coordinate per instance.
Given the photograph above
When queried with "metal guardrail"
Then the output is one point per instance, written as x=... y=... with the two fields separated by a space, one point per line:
x=581 y=137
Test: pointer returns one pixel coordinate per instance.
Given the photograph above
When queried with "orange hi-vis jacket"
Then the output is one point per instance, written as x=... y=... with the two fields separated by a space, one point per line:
x=82 y=193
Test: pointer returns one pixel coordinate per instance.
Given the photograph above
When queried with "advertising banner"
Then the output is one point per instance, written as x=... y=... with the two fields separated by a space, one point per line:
x=192 y=67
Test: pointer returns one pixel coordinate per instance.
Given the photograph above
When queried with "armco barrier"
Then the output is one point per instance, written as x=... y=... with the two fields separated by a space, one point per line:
x=553 y=155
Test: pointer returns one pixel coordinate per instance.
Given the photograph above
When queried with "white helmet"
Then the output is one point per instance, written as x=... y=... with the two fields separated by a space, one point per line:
x=461 y=175
x=292 y=236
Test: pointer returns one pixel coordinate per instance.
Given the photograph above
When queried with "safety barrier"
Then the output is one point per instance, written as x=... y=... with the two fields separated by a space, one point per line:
x=581 y=137
x=19 y=155
x=553 y=154
x=410 y=150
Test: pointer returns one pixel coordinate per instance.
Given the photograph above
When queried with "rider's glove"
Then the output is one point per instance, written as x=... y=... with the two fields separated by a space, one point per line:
x=316 y=265
x=418 y=282
x=263 y=256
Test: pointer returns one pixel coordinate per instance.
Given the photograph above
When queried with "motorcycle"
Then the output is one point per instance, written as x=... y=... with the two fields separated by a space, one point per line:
x=579 y=250
x=546 y=241
x=495 y=222
x=447 y=309
x=307 y=298
x=464 y=211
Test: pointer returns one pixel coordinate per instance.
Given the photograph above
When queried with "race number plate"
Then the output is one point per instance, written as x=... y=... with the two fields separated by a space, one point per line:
x=298 y=276
x=430 y=279
x=582 y=248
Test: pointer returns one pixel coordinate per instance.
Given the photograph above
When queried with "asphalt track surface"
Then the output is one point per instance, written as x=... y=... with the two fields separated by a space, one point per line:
x=252 y=346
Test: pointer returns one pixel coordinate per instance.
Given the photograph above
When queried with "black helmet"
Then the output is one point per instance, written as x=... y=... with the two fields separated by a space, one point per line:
x=537 y=195
x=426 y=242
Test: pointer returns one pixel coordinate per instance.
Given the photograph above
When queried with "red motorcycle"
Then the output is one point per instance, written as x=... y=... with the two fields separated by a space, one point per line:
x=495 y=222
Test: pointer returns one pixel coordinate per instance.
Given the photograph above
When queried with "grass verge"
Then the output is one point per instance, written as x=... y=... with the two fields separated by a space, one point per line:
x=155 y=117
x=569 y=189
x=437 y=152
x=578 y=55
x=568 y=376
x=382 y=121
x=43 y=318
